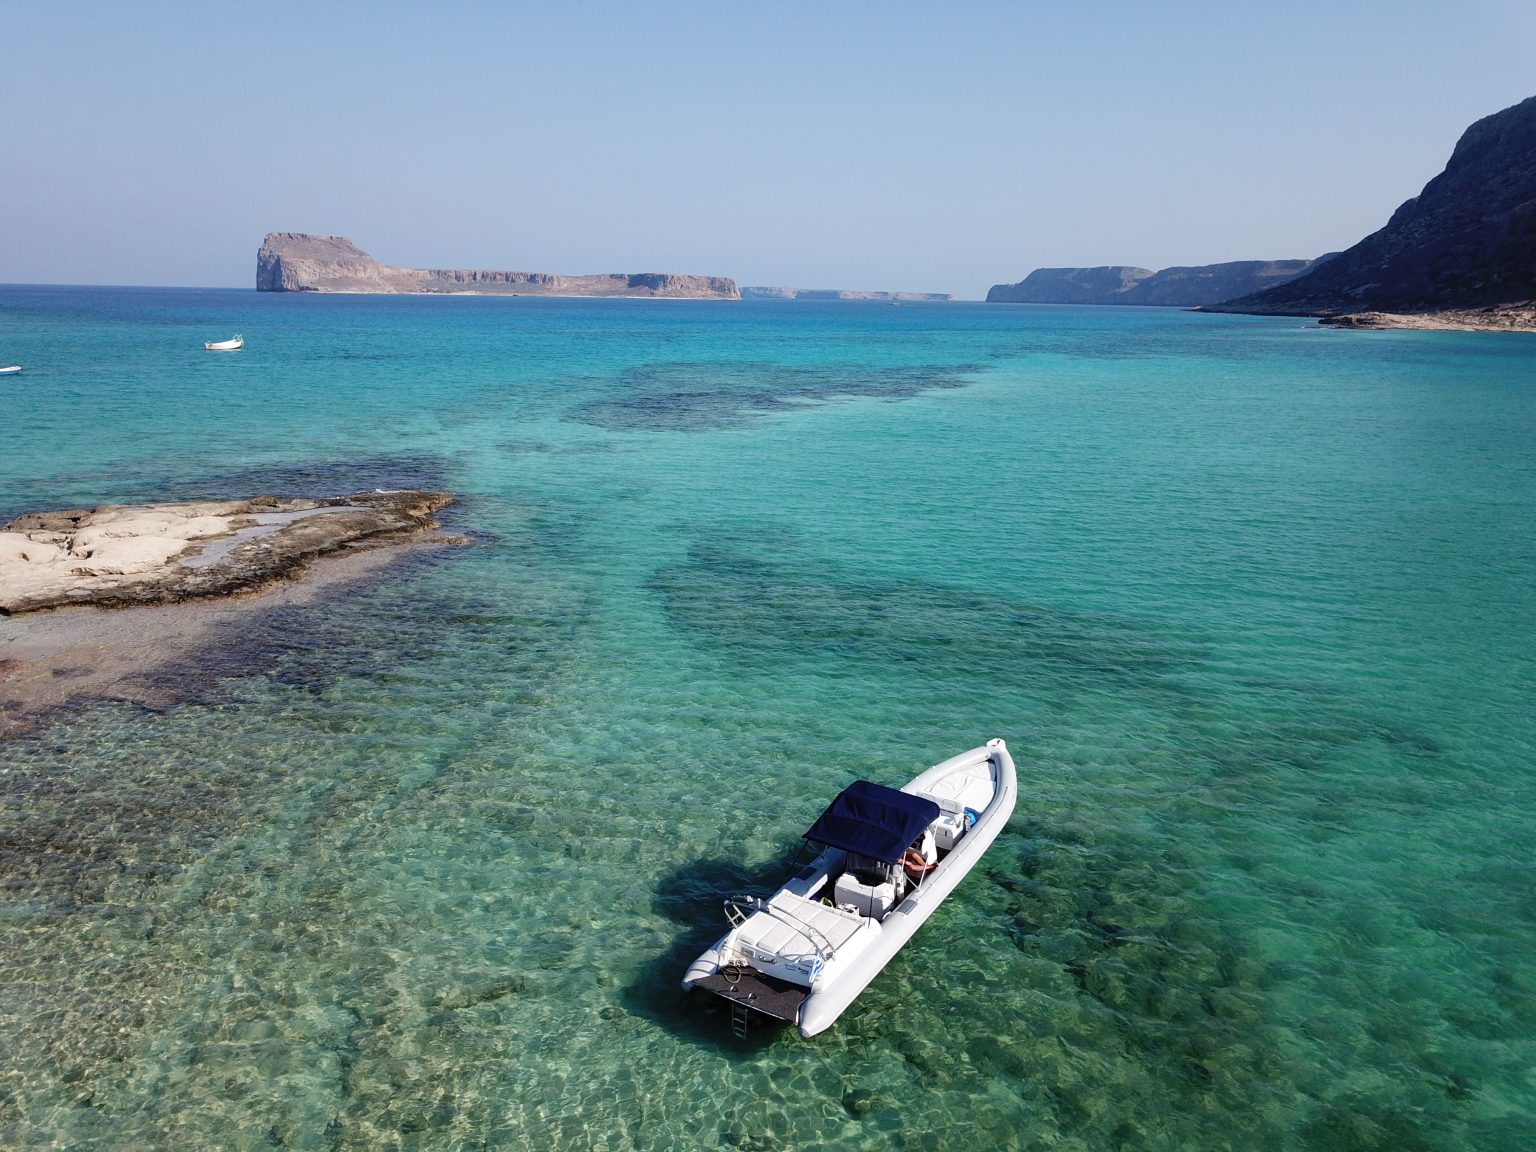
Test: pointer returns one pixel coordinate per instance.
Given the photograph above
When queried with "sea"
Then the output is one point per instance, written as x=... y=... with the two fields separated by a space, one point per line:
x=420 y=864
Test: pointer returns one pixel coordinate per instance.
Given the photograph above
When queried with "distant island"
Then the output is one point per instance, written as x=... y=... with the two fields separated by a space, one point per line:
x=1465 y=244
x=837 y=294
x=1179 y=287
x=301 y=262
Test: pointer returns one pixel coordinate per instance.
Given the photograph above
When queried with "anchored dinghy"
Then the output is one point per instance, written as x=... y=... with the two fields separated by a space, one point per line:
x=888 y=858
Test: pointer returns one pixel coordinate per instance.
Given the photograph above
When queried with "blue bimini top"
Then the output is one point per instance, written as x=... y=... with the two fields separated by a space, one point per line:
x=873 y=820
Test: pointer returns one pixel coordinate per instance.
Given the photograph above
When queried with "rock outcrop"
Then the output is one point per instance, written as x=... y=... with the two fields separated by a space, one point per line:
x=117 y=555
x=1467 y=241
x=301 y=262
x=1178 y=287
x=1493 y=318
x=837 y=294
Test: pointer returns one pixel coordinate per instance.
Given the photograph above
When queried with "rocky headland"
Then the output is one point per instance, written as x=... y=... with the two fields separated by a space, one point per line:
x=1462 y=253
x=1177 y=287
x=838 y=294
x=301 y=262
x=121 y=555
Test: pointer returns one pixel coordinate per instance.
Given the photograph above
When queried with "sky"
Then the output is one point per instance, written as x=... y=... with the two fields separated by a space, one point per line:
x=939 y=147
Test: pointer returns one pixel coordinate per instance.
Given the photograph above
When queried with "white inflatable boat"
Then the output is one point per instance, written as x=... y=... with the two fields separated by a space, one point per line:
x=888 y=858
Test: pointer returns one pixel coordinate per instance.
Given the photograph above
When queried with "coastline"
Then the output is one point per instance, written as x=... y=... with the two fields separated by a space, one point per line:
x=93 y=602
x=124 y=555
x=1497 y=318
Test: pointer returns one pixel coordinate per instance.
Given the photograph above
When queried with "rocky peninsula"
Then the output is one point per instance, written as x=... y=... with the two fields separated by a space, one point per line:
x=1519 y=317
x=302 y=262
x=140 y=604
x=121 y=555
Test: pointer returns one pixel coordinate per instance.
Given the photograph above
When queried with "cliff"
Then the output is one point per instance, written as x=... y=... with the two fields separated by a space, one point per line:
x=1179 y=287
x=300 y=262
x=1467 y=241
x=1070 y=286
x=836 y=294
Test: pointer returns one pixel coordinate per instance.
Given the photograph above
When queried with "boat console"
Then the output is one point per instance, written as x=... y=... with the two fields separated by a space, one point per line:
x=866 y=898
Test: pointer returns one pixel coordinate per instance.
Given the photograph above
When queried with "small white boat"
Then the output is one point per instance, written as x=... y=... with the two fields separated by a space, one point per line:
x=234 y=344
x=888 y=858
x=10 y=371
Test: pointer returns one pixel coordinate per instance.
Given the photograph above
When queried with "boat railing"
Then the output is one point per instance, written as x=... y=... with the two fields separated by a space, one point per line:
x=738 y=909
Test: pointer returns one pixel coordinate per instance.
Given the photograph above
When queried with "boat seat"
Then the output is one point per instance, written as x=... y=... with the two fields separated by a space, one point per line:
x=950 y=825
x=789 y=937
x=869 y=899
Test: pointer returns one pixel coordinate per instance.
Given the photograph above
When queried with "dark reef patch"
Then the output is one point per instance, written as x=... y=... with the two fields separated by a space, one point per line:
x=771 y=602
x=687 y=396
x=311 y=478
x=532 y=447
x=285 y=480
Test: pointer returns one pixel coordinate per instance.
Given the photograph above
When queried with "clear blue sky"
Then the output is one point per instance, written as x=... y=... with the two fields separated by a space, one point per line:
x=923 y=146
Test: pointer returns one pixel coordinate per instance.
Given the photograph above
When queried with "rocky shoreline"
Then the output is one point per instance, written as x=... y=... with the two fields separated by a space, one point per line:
x=122 y=555
x=148 y=637
x=1495 y=318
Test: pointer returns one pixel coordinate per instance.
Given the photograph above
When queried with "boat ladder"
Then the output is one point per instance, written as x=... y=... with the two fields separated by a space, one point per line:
x=738 y=908
x=741 y=1017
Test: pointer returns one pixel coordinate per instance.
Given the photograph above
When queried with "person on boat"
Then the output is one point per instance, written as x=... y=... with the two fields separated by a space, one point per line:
x=922 y=855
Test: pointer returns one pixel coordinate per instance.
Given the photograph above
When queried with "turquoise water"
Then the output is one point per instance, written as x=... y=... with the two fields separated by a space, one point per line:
x=420 y=866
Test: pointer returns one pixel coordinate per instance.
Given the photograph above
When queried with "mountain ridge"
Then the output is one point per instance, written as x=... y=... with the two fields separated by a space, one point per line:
x=1181 y=286
x=1467 y=241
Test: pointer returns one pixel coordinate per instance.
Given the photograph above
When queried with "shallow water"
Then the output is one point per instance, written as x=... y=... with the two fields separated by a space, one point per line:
x=420 y=866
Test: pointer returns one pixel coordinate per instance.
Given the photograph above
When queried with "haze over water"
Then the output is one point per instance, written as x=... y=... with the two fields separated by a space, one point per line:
x=1251 y=601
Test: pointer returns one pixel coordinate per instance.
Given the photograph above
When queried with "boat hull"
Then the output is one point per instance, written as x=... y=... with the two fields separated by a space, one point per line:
x=836 y=987
x=226 y=345
x=11 y=370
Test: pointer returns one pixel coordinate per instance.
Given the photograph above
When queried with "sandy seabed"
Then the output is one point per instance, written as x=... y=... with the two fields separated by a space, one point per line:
x=51 y=659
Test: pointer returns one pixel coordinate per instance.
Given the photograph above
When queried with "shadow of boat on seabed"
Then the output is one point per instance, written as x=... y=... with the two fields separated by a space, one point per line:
x=692 y=897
